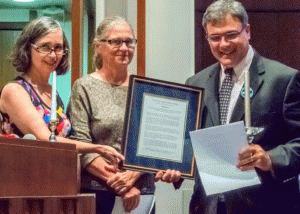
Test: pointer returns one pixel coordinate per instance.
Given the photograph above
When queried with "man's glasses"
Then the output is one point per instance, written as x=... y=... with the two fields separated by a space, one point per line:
x=45 y=49
x=227 y=36
x=116 y=43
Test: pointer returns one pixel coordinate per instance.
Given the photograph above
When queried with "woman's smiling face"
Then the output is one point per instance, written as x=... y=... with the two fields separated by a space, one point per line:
x=46 y=62
x=112 y=55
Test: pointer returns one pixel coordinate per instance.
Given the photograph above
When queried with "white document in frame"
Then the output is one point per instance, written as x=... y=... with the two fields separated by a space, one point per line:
x=162 y=129
x=216 y=151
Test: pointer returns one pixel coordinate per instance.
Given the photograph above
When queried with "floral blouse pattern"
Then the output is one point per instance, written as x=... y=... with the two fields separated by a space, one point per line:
x=63 y=129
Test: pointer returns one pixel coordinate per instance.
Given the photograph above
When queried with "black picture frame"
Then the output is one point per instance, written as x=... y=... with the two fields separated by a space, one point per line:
x=138 y=88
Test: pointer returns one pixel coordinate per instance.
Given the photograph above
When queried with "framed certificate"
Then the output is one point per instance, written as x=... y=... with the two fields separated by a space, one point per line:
x=159 y=116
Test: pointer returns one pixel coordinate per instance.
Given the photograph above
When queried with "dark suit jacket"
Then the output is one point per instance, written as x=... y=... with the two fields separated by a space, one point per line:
x=275 y=107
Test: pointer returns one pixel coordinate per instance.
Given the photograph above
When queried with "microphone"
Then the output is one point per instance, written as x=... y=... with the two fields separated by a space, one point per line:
x=29 y=137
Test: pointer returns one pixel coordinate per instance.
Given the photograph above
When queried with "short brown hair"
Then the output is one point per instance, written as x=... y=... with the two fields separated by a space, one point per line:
x=217 y=11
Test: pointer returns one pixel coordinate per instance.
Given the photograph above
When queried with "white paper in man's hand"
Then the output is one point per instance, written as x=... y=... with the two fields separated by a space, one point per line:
x=216 y=151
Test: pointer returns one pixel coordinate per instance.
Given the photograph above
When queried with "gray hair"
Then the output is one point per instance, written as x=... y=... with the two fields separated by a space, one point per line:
x=36 y=29
x=101 y=33
x=217 y=11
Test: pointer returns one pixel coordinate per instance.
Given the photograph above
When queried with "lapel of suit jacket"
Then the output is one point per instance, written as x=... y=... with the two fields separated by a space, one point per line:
x=211 y=95
x=257 y=72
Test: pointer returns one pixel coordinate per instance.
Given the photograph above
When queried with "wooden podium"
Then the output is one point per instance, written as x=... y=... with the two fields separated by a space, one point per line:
x=40 y=177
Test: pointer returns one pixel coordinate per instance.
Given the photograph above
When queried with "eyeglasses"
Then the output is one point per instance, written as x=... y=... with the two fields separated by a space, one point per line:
x=116 y=43
x=227 y=36
x=45 y=49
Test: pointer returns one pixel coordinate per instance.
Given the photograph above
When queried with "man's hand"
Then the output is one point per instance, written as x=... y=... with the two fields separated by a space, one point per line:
x=254 y=156
x=121 y=182
x=131 y=199
x=168 y=176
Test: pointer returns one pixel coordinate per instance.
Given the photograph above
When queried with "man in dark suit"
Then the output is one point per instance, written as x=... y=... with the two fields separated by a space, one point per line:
x=275 y=101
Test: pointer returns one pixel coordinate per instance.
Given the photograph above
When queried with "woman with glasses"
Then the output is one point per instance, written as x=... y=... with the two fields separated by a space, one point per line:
x=25 y=103
x=97 y=109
